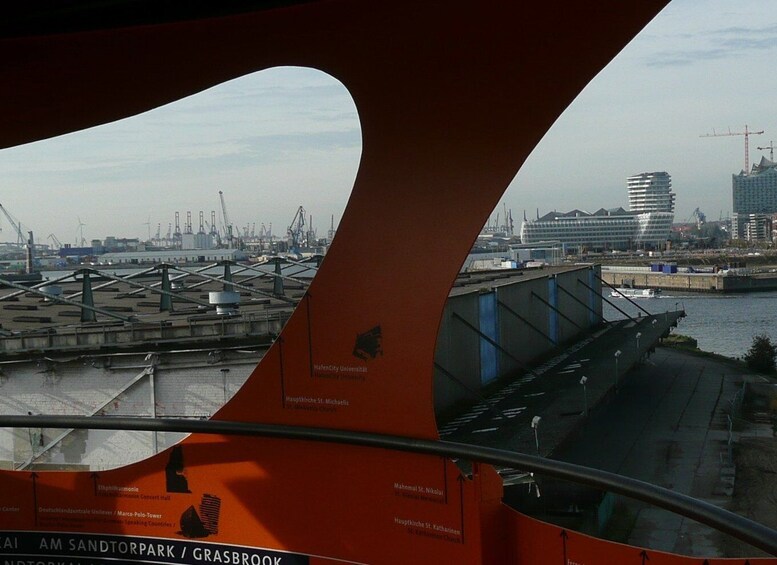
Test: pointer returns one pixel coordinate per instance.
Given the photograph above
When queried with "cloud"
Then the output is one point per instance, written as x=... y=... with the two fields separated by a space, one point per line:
x=713 y=45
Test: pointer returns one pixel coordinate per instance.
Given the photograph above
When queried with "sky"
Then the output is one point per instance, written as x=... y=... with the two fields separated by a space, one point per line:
x=284 y=138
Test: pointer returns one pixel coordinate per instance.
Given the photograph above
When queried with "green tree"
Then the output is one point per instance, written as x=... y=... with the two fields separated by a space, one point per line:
x=761 y=355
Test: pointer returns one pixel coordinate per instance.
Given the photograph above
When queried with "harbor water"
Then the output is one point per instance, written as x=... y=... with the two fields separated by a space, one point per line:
x=721 y=323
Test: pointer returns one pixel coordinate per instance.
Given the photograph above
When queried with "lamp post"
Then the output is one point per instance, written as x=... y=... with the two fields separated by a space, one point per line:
x=583 y=381
x=616 y=355
x=224 y=382
x=639 y=335
x=535 y=423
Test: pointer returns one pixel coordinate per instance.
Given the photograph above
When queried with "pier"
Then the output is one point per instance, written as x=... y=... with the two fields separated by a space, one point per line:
x=720 y=282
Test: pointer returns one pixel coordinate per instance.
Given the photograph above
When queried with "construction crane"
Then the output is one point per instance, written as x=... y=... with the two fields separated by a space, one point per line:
x=17 y=227
x=747 y=133
x=770 y=148
x=225 y=217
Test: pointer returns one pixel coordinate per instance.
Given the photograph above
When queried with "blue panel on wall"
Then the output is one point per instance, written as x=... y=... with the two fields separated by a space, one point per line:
x=553 y=314
x=592 y=318
x=489 y=359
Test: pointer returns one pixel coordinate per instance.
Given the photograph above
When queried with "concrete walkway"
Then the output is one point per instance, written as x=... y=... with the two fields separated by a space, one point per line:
x=662 y=418
x=666 y=426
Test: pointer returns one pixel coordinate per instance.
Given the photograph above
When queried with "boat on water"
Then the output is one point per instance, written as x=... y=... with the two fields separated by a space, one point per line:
x=635 y=292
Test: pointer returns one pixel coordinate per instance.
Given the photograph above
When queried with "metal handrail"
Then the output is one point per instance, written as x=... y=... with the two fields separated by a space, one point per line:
x=735 y=525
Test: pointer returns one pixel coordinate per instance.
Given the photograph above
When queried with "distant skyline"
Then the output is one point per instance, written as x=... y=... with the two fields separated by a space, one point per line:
x=271 y=141
x=698 y=66
x=282 y=138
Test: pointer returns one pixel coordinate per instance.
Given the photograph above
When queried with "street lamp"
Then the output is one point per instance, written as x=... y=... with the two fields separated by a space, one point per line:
x=654 y=322
x=583 y=381
x=639 y=335
x=535 y=423
x=616 y=355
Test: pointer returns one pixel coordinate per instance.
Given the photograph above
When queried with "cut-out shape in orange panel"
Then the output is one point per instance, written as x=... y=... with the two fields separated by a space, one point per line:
x=452 y=97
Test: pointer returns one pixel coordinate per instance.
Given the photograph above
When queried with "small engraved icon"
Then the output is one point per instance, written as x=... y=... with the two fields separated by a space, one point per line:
x=176 y=480
x=368 y=344
x=191 y=525
x=210 y=507
x=204 y=523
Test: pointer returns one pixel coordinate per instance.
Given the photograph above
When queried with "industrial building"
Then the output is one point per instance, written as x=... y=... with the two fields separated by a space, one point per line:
x=138 y=359
x=497 y=323
x=185 y=256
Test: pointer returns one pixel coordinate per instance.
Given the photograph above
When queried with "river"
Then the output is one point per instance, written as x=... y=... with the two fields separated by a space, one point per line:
x=721 y=323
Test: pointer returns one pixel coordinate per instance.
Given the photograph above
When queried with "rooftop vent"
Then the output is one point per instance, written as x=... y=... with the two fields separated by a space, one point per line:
x=226 y=302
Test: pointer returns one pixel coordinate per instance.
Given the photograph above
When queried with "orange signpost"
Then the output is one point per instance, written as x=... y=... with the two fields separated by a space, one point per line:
x=452 y=97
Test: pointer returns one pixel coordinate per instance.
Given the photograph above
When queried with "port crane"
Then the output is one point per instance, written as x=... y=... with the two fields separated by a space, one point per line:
x=55 y=241
x=225 y=217
x=699 y=217
x=21 y=241
x=747 y=133
x=296 y=230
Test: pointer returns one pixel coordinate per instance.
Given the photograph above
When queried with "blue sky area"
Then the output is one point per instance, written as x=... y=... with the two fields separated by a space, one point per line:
x=282 y=138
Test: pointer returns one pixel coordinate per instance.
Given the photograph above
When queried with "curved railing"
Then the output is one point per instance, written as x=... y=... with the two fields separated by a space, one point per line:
x=737 y=526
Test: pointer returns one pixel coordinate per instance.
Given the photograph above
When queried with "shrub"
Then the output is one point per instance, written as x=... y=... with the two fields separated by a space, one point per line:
x=761 y=355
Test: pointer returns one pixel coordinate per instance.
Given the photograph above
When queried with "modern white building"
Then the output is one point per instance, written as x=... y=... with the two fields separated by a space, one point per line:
x=646 y=225
x=604 y=230
x=650 y=192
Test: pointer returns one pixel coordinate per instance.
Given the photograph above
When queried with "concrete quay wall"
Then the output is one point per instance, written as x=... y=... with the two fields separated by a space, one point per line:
x=692 y=282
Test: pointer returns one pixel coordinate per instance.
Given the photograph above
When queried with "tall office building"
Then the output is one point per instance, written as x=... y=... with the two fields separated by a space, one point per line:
x=650 y=192
x=755 y=196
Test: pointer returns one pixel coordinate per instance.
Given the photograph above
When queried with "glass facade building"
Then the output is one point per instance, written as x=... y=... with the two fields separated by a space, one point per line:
x=603 y=230
x=753 y=194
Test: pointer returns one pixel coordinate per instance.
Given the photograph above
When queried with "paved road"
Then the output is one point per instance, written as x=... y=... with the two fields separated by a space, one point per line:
x=667 y=425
